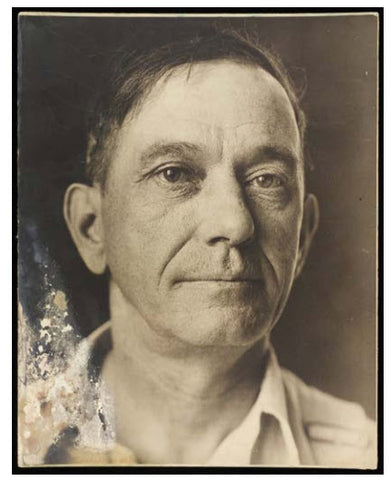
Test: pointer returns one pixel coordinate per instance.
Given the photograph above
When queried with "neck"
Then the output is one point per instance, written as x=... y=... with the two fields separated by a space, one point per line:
x=170 y=397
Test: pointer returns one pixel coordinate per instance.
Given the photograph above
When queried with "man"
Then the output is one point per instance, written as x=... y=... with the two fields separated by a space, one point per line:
x=198 y=210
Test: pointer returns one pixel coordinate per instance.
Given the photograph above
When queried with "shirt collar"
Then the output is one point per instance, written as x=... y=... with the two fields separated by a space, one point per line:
x=237 y=447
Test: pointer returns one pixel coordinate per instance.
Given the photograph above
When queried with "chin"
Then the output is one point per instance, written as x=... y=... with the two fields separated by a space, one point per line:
x=225 y=327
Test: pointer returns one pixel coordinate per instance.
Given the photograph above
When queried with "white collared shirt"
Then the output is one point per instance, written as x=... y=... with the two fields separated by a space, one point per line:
x=238 y=446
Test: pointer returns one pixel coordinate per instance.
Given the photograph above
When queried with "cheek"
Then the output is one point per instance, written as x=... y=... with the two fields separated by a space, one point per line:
x=279 y=233
x=142 y=235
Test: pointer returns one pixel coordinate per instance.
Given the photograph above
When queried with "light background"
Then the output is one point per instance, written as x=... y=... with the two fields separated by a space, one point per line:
x=327 y=334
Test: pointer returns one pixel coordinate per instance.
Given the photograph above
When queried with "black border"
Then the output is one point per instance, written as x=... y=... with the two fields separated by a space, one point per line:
x=183 y=469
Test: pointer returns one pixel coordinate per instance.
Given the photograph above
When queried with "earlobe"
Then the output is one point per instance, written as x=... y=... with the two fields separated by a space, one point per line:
x=308 y=229
x=83 y=216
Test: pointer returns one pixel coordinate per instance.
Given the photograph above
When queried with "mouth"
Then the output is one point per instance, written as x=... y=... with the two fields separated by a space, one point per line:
x=223 y=282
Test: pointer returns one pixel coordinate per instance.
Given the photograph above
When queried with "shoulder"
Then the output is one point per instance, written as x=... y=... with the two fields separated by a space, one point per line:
x=338 y=431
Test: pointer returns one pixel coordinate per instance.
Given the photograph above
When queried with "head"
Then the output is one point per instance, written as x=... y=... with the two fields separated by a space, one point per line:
x=196 y=204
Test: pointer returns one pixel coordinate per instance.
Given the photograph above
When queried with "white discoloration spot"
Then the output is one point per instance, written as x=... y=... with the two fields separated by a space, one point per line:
x=43 y=364
x=46 y=322
x=44 y=334
x=31 y=410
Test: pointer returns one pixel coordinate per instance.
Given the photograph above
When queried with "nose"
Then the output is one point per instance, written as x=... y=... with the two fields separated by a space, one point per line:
x=226 y=216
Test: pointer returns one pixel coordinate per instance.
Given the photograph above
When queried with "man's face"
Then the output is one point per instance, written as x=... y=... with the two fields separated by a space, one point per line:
x=203 y=205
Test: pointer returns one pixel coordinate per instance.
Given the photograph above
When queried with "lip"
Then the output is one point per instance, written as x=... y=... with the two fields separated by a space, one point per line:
x=223 y=282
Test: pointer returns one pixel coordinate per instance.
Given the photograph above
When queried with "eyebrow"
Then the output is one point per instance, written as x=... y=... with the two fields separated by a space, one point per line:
x=162 y=149
x=274 y=153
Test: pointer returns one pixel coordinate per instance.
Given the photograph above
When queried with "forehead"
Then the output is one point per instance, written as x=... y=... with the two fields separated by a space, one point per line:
x=221 y=102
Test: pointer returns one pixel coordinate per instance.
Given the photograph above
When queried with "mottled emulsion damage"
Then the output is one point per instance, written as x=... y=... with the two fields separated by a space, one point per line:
x=52 y=375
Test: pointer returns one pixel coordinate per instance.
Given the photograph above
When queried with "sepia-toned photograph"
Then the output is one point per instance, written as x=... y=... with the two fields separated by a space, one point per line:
x=197 y=232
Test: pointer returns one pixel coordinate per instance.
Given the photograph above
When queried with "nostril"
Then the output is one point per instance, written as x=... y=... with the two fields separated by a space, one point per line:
x=214 y=240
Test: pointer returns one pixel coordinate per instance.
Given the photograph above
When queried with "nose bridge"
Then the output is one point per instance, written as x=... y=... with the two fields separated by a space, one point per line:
x=226 y=215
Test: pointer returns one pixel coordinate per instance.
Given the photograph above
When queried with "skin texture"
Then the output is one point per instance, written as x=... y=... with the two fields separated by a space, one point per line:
x=207 y=259
x=203 y=225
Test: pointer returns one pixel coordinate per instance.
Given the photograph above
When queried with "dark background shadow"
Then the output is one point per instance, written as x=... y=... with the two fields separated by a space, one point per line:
x=328 y=332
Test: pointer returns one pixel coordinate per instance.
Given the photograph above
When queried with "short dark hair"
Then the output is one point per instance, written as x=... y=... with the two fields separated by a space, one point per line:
x=134 y=73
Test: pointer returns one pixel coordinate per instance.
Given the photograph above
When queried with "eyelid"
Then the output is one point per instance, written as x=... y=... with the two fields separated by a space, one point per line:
x=275 y=172
x=163 y=166
x=171 y=164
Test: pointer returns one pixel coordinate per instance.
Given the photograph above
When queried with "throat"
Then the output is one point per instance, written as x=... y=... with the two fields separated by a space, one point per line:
x=177 y=411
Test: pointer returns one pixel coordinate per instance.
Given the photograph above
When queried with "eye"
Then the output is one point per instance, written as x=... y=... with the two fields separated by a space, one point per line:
x=172 y=174
x=267 y=180
x=177 y=178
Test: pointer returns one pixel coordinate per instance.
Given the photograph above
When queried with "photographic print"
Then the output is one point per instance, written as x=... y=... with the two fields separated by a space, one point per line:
x=197 y=239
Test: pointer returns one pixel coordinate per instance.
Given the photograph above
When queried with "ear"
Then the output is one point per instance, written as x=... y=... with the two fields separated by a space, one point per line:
x=83 y=215
x=308 y=229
